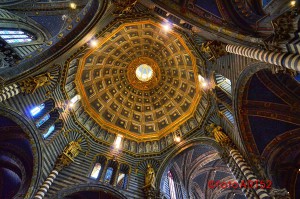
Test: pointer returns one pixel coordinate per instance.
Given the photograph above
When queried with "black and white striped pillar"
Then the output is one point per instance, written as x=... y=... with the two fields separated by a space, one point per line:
x=9 y=91
x=246 y=170
x=290 y=61
x=46 y=185
x=239 y=176
x=68 y=155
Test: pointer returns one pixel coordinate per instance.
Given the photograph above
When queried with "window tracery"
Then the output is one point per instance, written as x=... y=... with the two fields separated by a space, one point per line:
x=108 y=175
x=171 y=186
x=46 y=118
x=96 y=170
x=16 y=36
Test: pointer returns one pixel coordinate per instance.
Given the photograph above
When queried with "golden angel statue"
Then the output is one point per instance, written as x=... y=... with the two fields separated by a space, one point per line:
x=219 y=135
x=150 y=177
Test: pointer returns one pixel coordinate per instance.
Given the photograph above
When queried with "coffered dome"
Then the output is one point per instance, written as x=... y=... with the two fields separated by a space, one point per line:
x=140 y=81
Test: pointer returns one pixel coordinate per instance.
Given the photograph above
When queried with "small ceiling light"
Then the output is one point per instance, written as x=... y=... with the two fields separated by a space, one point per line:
x=177 y=139
x=204 y=84
x=293 y=3
x=299 y=170
x=75 y=99
x=118 y=141
x=73 y=6
x=167 y=26
x=202 y=81
x=200 y=78
x=94 y=43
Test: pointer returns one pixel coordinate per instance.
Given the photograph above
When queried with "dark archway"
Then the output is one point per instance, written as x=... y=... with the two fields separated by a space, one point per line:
x=16 y=160
x=20 y=153
x=91 y=195
x=89 y=191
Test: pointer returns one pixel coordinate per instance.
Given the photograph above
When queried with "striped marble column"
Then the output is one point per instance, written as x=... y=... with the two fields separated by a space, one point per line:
x=246 y=170
x=46 y=185
x=239 y=176
x=70 y=152
x=237 y=164
x=290 y=61
x=9 y=91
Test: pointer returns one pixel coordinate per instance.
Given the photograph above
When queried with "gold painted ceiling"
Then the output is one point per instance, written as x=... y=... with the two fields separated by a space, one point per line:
x=114 y=97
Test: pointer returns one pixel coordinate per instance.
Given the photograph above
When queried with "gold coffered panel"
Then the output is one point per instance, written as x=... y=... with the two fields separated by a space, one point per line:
x=118 y=101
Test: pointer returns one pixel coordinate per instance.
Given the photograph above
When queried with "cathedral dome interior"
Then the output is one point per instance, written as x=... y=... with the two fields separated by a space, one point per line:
x=149 y=99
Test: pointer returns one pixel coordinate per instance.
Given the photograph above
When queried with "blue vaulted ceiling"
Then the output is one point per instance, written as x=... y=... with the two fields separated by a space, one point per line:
x=259 y=92
x=52 y=23
x=265 y=130
x=210 y=6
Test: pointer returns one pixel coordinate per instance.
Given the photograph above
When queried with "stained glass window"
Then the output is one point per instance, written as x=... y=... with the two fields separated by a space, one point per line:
x=50 y=130
x=43 y=120
x=122 y=180
x=15 y=36
x=171 y=186
x=108 y=174
x=75 y=99
x=96 y=170
x=37 y=109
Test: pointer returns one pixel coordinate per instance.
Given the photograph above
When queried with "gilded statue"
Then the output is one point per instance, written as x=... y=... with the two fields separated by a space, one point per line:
x=29 y=85
x=73 y=149
x=219 y=135
x=68 y=155
x=150 y=177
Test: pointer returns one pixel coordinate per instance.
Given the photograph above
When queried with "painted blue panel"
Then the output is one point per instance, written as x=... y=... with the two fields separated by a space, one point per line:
x=258 y=92
x=52 y=23
x=265 y=130
x=210 y=6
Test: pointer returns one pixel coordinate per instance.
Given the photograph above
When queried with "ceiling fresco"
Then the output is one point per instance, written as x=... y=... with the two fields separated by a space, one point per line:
x=116 y=99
